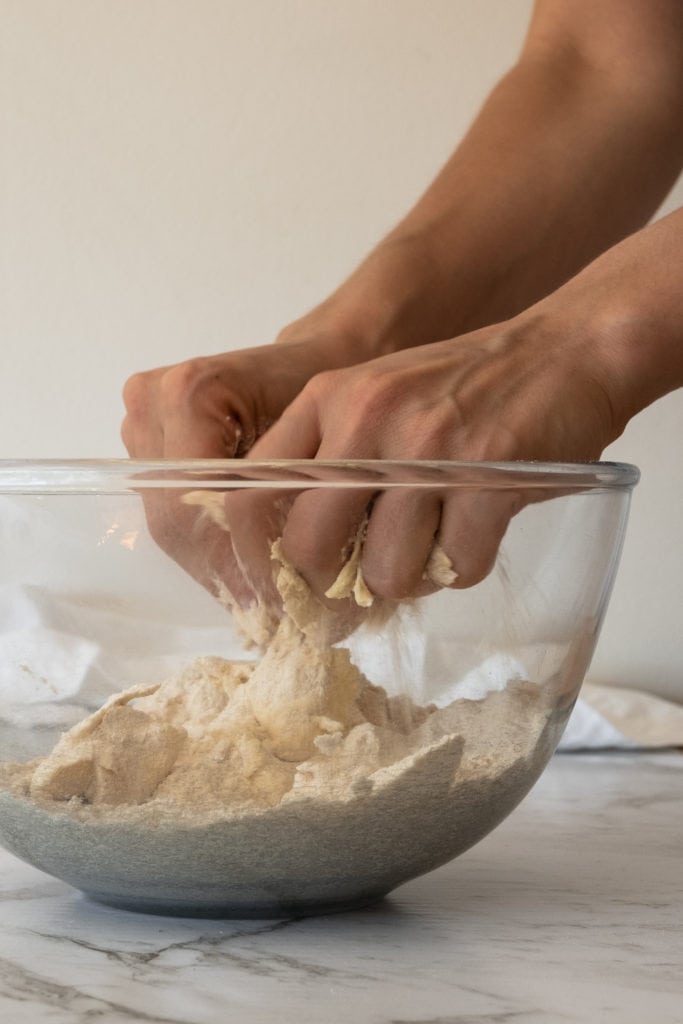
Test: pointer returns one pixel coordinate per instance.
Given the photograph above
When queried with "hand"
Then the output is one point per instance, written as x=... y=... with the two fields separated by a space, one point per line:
x=217 y=407
x=535 y=388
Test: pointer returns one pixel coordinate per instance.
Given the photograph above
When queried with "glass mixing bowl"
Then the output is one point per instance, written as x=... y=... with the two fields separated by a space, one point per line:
x=188 y=725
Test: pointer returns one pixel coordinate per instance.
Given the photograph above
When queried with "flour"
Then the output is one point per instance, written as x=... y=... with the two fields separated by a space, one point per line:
x=289 y=781
x=222 y=739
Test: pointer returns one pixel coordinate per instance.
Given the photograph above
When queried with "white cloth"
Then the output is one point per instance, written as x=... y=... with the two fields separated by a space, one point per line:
x=611 y=717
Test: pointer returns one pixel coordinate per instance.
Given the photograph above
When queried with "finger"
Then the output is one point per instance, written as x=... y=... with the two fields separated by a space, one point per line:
x=320 y=535
x=296 y=435
x=194 y=532
x=190 y=437
x=168 y=416
x=189 y=528
x=399 y=540
x=141 y=430
x=186 y=529
x=256 y=519
x=253 y=519
x=202 y=441
x=142 y=441
x=473 y=524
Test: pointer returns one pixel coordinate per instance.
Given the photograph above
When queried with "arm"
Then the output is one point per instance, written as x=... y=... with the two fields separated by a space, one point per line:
x=556 y=383
x=574 y=149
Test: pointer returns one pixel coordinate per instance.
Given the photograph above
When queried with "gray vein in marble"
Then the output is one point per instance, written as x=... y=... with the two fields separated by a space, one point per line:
x=201 y=944
x=23 y=985
x=496 y=1018
x=217 y=949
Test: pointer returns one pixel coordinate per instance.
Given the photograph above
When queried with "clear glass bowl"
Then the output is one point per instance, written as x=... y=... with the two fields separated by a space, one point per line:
x=270 y=752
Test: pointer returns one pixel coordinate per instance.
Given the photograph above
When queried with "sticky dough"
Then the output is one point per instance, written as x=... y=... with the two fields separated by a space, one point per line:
x=233 y=735
x=260 y=622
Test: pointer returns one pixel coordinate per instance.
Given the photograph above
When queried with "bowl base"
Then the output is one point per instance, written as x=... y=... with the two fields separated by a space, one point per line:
x=234 y=910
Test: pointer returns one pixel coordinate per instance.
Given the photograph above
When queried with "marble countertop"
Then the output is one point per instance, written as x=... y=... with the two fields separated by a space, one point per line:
x=571 y=911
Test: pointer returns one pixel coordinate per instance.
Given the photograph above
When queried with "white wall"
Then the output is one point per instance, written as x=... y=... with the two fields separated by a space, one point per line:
x=186 y=176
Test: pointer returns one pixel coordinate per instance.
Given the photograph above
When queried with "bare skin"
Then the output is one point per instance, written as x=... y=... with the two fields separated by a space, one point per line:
x=550 y=346
x=557 y=383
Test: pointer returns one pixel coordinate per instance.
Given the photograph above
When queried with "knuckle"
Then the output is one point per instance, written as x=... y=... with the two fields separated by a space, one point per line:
x=390 y=581
x=433 y=432
x=323 y=386
x=180 y=383
x=136 y=394
x=377 y=392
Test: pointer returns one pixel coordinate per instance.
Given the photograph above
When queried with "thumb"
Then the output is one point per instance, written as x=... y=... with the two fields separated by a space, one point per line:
x=296 y=435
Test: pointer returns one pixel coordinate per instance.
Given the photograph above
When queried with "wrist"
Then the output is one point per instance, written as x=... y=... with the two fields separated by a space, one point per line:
x=389 y=303
x=639 y=355
x=327 y=338
x=622 y=319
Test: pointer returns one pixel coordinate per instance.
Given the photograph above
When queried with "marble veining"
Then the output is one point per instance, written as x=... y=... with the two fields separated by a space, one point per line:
x=571 y=911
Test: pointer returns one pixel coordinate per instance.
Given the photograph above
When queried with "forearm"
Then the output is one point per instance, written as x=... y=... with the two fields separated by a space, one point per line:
x=554 y=171
x=568 y=155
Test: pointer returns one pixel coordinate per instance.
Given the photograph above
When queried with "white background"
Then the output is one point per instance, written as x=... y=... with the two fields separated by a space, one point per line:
x=183 y=177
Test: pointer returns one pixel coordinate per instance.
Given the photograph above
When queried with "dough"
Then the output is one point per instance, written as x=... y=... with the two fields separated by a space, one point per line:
x=223 y=738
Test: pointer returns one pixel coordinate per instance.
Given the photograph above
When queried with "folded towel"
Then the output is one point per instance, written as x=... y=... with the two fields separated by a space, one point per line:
x=611 y=717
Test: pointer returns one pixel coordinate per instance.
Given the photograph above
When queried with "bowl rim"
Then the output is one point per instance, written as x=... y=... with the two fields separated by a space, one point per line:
x=117 y=476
